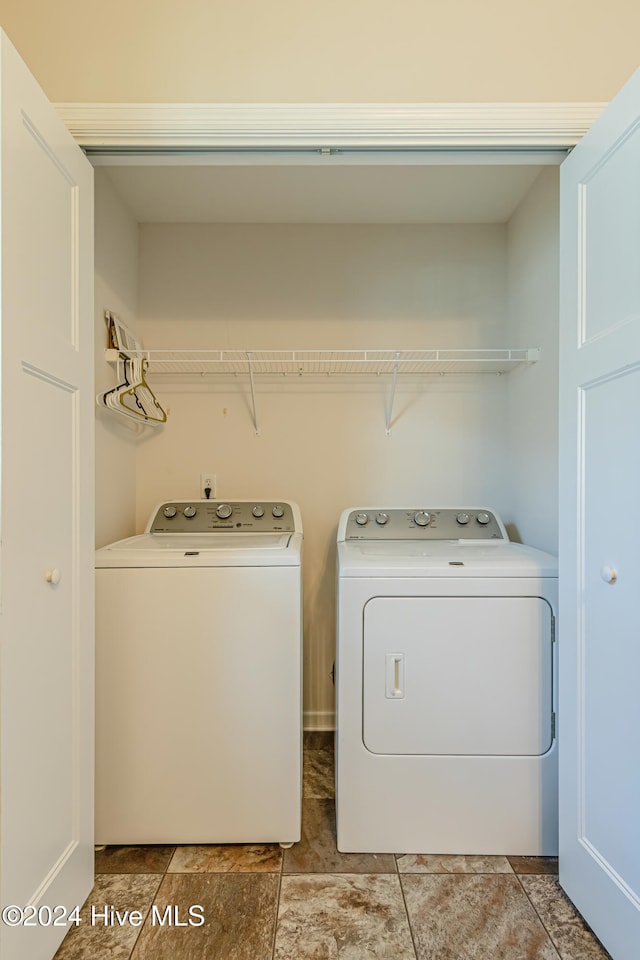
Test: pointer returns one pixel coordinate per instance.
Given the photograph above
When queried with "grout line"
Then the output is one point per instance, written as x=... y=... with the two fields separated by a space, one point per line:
x=537 y=913
x=148 y=913
x=406 y=910
x=563 y=895
x=275 y=919
x=275 y=922
x=153 y=899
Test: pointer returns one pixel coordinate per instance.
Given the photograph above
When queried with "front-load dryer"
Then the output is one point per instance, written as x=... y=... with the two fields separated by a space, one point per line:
x=446 y=686
x=198 y=677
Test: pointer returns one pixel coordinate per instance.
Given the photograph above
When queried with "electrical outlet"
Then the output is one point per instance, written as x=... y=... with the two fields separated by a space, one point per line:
x=208 y=482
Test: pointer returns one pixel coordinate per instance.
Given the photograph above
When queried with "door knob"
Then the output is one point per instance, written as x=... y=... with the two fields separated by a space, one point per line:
x=609 y=574
x=53 y=576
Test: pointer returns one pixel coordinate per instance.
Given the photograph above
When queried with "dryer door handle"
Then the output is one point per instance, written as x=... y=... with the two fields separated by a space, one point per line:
x=394 y=685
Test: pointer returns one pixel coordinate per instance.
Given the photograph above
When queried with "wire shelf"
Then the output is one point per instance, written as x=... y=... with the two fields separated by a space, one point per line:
x=222 y=364
x=292 y=363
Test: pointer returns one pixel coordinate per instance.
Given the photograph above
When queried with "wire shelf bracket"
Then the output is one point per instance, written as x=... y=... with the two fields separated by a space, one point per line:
x=394 y=383
x=253 y=394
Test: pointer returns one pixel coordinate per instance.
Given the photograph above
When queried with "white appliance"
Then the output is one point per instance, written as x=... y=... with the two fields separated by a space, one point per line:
x=198 y=677
x=446 y=686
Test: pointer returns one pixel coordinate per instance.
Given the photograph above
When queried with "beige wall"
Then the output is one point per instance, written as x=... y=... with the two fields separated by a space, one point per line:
x=323 y=443
x=533 y=305
x=116 y=289
x=332 y=51
x=454 y=440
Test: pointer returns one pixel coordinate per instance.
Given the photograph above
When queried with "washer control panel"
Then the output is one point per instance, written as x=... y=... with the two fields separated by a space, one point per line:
x=227 y=516
x=421 y=523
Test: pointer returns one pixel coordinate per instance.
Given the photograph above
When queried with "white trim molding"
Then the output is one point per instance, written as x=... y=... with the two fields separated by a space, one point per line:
x=319 y=720
x=327 y=126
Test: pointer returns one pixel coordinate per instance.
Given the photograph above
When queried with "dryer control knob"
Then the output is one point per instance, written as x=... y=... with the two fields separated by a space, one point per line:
x=463 y=518
x=258 y=511
x=382 y=518
x=223 y=511
x=422 y=518
x=278 y=511
x=362 y=519
x=170 y=512
x=483 y=518
x=189 y=512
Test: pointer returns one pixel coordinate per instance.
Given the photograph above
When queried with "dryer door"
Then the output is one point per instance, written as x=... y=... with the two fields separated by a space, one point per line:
x=464 y=676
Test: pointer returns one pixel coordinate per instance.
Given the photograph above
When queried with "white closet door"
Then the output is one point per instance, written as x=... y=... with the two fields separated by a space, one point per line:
x=46 y=721
x=599 y=731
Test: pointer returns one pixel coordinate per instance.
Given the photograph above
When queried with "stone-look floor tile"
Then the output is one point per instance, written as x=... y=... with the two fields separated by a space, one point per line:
x=318 y=780
x=239 y=912
x=318 y=739
x=354 y=917
x=96 y=937
x=571 y=935
x=438 y=863
x=317 y=851
x=120 y=859
x=548 y=865
x=227 y=858
x=473 y=918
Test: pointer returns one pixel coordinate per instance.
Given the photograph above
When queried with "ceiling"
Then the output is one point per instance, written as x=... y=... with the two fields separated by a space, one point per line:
x=172 y=191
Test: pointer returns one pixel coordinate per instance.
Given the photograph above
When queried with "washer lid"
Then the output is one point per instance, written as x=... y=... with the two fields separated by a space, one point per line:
x=203 y=550
x=443 y=558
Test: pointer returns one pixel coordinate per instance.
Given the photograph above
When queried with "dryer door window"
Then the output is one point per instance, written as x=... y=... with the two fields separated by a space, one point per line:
x=461 y=676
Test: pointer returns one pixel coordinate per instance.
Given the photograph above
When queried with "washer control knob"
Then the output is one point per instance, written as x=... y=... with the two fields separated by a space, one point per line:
x=483 y=518
x=189 y=512
x=362 y=519
x=170 y=512
x=382 y=518
x=278 y=511
x=422 y=518
x=463 y=518
x=258 y=511
x=223 y=511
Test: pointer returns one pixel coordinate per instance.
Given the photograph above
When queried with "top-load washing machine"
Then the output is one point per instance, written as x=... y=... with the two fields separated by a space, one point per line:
x=198 y=677
x=446 y=686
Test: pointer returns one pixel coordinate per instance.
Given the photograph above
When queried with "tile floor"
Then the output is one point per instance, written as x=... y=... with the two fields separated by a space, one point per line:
x=313 y=903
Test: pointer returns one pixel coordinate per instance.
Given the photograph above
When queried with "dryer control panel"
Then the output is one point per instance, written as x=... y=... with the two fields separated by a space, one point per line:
x=209 y=516
x=422 y=523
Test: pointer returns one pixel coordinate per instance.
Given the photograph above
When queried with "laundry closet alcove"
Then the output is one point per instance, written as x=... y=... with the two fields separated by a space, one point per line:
x=280 y=231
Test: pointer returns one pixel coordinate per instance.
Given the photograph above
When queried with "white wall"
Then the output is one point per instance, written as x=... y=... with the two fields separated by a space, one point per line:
x=334 y=51
x=324 y=444
x=533 y=266
x=116 y=289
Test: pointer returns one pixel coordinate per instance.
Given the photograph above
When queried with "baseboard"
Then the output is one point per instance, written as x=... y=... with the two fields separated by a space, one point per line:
x=319 y=720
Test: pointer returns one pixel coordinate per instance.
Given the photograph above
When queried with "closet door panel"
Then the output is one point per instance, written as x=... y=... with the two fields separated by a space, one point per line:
x=47 y=614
